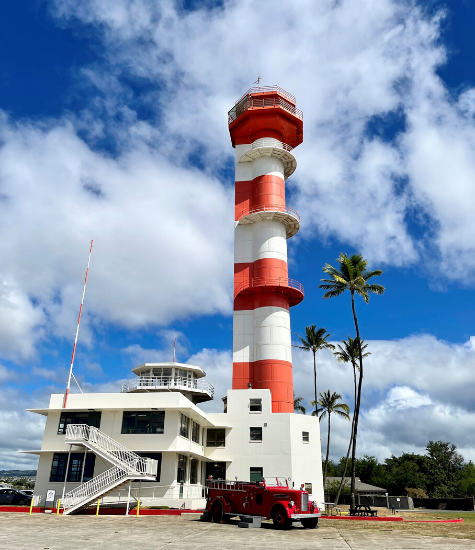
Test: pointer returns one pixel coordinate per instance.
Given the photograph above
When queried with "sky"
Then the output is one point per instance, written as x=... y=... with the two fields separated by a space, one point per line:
x=113 y=127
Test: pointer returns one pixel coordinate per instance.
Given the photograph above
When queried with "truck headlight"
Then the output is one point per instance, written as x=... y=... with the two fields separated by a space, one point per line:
x=291 y=503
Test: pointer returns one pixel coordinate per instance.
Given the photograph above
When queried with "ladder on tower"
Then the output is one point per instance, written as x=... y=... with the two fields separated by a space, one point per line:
x=126 y=466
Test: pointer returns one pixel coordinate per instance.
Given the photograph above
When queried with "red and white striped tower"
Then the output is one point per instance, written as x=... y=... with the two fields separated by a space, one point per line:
x=265 y=126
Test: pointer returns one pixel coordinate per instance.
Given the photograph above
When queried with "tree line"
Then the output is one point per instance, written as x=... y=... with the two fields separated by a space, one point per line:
x=441 y=472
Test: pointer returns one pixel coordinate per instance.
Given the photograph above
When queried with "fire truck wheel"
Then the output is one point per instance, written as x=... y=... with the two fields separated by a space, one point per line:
x=280 y=519
x=217 y=512
x=310 y=523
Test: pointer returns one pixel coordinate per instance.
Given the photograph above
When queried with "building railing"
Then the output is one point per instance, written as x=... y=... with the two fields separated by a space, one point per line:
x=179 y=382
x=126 y=459
x=257 y=282
x=248 y=102
x=95 y=486
x=266 y=89
x=268 y=208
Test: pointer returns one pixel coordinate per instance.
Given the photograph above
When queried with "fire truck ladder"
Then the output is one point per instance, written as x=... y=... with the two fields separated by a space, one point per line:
x=126 y=466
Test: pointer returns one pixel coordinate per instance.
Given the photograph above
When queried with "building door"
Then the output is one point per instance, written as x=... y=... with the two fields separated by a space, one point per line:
x=216 y=469
x=256 y=474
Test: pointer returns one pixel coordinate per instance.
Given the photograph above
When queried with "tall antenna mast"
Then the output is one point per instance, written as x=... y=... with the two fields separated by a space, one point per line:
x=71 y=375
x=174 y=351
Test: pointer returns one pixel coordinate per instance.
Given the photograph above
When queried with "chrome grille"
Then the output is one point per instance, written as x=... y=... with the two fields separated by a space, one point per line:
x=304 y=502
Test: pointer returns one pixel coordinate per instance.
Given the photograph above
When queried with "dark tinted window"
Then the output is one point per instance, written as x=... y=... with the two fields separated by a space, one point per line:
x=143 y=422
x=58 y=467
x=184 y=426
x=215 y=437
x=195 y=433
x=77 y=471
x=255 y=405
x=181 y=473
x=256 y=434
x=91 y=418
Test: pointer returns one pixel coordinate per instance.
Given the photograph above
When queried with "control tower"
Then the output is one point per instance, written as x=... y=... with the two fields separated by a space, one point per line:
x=265 y=127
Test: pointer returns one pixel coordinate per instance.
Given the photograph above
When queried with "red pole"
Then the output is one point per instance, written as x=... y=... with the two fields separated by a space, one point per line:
x=77 y=331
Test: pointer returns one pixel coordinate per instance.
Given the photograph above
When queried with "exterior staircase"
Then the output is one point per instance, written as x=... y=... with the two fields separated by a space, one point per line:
x=126 y=466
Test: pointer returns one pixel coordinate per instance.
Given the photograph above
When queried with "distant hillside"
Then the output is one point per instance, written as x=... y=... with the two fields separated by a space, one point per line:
x=17 y=473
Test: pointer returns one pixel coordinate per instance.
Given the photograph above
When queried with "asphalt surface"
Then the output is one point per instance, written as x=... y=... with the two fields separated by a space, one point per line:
x=48 y=532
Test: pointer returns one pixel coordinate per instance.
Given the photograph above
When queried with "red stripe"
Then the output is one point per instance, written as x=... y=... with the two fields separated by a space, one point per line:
x=267 y=190
x=272 y=374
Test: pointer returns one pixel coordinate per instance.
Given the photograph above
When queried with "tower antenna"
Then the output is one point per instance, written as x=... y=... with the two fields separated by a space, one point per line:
x=71 y=375
x=174 y=350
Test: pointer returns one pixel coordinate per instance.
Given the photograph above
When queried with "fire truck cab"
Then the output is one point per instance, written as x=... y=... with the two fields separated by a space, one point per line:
x=279 y=502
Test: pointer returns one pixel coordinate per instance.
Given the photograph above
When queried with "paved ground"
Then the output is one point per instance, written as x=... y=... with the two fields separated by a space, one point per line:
x=45 y=532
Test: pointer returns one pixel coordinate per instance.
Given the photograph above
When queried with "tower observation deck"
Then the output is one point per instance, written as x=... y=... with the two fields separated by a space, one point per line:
x=265 y=127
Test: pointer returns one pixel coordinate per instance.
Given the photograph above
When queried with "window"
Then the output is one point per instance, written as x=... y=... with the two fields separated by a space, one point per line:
x=193 y=471
x=185 y=426
x=256 y=434
x=305 y=437
x=215 y=437
x=255 y=405
x=195 y=433
x=308 y=488
x=76 y=472
x=90 y=418
x=181 y=472
x=256 y=474
x=143 y=422
x=58 y=467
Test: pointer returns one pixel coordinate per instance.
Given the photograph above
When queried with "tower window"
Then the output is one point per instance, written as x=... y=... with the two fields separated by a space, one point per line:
x=306 y=437
x=256 y=434
x=255 y=405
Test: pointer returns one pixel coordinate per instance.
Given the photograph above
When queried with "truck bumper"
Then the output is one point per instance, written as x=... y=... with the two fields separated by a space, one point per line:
x=298 y=517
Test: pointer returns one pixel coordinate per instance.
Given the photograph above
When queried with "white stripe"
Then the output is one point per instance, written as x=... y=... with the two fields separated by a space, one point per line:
x=262 y=334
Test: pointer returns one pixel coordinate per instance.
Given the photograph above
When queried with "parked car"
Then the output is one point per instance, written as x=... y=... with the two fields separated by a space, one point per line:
x=27 y=492
x=13 y=496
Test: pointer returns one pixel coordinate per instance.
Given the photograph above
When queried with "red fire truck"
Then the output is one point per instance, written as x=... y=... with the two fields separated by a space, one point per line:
x=278 y=502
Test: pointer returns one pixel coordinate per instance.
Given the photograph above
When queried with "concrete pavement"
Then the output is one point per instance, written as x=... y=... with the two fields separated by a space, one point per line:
x=47 y=532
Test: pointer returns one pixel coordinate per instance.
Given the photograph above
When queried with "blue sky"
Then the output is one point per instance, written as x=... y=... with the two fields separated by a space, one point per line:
x=113 y=126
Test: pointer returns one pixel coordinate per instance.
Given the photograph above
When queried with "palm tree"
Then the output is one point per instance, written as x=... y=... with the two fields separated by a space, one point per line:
x=349 y=353
x=316 y=339
x=329 y=404
x=353 y=276
x=298 y=405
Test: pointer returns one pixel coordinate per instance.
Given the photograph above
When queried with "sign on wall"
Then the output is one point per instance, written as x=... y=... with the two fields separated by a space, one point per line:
x=50 y=495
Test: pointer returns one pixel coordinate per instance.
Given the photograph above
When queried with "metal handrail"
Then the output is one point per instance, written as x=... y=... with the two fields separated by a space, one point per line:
x=180 y=382
x=267 y=142
x=94 y=486
x=264 y=89
x=257 y=282
x=126 y=459
x=268 y=208
x=248 y=102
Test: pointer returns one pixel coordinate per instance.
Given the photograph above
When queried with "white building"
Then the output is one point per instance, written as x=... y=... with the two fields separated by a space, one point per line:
x=157 y=416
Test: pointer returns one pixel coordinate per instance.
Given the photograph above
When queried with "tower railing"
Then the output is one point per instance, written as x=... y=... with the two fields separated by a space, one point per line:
x=266 y=89
x=268 y=208
x=257 y=282
x=179 y=382
x=249 y=102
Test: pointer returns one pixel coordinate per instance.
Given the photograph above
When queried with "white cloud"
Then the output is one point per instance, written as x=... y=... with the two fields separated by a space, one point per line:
x=415 y=389
x=347 y=63
x=157 y=255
